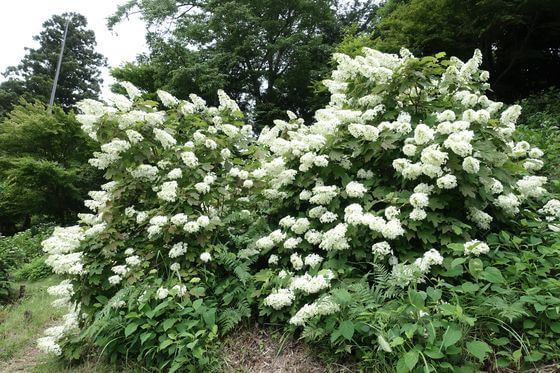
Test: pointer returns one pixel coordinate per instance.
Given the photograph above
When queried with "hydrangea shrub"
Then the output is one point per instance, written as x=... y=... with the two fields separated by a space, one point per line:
x=409 y=163
x=399 y=181
x=143 y=266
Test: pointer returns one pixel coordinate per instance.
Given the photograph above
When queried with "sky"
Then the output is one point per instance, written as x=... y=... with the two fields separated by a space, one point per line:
x=20 y=20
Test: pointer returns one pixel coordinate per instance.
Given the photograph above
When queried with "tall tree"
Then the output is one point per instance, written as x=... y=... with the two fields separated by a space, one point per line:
x=264 y=53
x=80 y=75
x=44 y=166
x=520 y=39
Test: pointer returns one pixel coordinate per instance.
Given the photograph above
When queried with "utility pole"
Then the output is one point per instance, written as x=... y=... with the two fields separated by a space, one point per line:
x=53 y=91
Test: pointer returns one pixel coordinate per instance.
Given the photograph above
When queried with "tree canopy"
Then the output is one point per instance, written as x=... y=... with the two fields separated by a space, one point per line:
x=520 y=39
x=43 y=165
x=264 y=53
x=80 y=75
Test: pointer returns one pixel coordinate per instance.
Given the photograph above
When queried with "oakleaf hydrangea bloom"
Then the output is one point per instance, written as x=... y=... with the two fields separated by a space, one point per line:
x=205 y=257
x=551 y=210
x=355 y=189
x=381 y=248
x=475 y=247
x=279 y=298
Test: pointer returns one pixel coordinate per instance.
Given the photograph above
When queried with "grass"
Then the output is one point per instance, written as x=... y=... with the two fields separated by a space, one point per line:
x=50 y=364
x=22 y=322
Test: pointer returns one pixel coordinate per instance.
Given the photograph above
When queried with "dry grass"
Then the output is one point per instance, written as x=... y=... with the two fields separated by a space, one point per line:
x=259 y=350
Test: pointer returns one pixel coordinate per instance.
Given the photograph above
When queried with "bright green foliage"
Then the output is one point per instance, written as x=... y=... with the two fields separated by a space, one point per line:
x=43 y=165
x=500 y=310
x=265 y=54
x=80 y=71
x=515 y=36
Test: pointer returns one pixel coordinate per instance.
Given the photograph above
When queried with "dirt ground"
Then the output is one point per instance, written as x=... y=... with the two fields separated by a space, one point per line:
x=256 y=350
x=25 y=362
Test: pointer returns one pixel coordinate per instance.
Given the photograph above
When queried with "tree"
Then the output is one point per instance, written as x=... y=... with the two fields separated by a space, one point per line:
x=264 y=53
x=43 y=165
x=80 y=70
x=520 y=39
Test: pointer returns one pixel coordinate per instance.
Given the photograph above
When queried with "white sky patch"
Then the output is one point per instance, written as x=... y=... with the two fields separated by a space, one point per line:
x=22 y=19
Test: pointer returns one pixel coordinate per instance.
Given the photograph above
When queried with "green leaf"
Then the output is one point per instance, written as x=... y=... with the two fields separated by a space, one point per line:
x=434 y=294
x=166 y=343
x=534 y=356
x=416 y=298
x=475 y=267
x=478 y=349
x=397 y=341
x=145 y=336
x=130 y=328
x=401 y=366
x=209 y=317
x=451 y=336
x=263 y=275
x=168 y=324
x=434 y=353
x=517 y=355
x=411 y=359
x=457 y=261
x=197 y=304
x=555 y=327
x=346 y=329
x=197 y=292
x=469 y=287
x=493 y=275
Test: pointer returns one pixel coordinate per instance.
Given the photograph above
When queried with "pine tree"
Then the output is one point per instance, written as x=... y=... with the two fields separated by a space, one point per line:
x=80 y=75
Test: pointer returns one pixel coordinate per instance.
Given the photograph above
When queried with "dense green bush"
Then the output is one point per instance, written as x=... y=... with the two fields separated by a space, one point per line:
x=34 y=270
x=404 y=227
x=540 y=125
x=20 y=251
x=43 y=165
x=541 y=110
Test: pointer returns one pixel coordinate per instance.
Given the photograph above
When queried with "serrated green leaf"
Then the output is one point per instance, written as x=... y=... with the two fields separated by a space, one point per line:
x=346 y=329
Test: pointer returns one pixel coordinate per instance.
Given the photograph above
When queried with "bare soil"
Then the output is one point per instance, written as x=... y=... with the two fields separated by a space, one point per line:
x=257 y=350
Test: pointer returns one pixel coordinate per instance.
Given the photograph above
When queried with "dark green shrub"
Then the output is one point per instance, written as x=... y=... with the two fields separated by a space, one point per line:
x=21 y=257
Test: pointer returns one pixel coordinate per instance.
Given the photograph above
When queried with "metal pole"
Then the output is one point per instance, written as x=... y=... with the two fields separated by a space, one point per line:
x=53 y=91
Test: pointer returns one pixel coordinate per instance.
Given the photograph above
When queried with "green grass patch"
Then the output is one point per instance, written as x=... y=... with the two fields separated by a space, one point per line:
x=22 y=322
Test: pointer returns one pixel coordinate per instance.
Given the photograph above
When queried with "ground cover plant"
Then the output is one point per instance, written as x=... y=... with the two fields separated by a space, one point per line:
x=404 y=227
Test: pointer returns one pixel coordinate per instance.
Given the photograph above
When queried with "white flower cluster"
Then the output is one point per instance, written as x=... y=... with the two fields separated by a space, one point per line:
x=404 y=274
x=475 y=247
x=62 y=252
x=362 y=175
x=551 y=210
x=279 y=298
